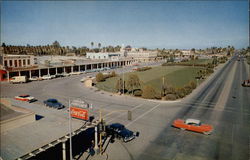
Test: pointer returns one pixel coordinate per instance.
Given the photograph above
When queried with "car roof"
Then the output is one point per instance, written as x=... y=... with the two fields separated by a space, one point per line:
x=190 y=120
x=117 y=125
x=51 y=99
x=24 y=95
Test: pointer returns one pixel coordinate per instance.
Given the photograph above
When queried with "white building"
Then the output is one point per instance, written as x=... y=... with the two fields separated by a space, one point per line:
x=102 y=55
x=143 y=55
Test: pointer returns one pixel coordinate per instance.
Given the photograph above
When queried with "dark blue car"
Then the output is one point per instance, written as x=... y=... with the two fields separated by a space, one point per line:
x=119 y=131
x=53 y=103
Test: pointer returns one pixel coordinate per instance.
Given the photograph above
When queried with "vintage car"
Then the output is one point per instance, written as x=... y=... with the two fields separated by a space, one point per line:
x=119 y=131
x=26 y=98
x=193 y=125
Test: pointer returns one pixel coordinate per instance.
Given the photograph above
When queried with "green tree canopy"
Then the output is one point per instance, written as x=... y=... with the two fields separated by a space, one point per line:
x=148 y=92
x=133 y=81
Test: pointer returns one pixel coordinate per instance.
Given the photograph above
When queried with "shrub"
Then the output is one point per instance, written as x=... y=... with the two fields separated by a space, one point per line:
x=143 y=69
x=180 y=92
x=113 y=74
x=192 y=84
x=138 y=93
x=99 y=77
x=148 y=92
x=170 y=97
x=188 y=89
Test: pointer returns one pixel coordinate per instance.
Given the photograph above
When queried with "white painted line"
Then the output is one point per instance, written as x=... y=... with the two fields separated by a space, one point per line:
x=143 y=115
x=124 y=113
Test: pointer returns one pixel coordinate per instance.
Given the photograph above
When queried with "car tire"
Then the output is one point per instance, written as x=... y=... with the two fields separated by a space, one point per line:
x=206 y=133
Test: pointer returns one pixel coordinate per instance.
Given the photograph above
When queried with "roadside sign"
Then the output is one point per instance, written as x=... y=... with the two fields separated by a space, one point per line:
x=79 y=113
x=80 y=103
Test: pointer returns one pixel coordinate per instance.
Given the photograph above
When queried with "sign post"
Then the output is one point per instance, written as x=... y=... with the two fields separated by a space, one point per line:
x=70 y=130
x=77 y=109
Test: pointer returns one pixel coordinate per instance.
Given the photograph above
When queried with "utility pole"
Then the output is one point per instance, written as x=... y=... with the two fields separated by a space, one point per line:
x=70 y=130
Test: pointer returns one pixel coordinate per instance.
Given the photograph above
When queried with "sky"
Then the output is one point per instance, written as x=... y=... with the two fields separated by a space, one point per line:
x=151 y=24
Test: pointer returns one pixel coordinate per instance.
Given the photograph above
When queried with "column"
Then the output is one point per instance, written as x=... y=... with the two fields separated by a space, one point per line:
x=71 y=68
x=8 y=76
x=48 y=71
x=56 y=70
x=39 y=72
x=85 y=67
x=30 y=73
x=19 y=73
x=91 y=67
x=79 y=68
x=63 y=69
x=64 y=150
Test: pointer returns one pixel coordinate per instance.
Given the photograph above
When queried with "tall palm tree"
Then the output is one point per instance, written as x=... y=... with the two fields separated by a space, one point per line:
x=92 y=44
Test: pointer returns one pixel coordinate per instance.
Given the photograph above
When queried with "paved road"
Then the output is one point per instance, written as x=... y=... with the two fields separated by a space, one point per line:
x=222 y=102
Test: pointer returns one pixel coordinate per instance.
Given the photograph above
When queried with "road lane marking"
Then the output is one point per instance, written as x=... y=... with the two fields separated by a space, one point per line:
x=226 y=89
x=124 y=113
x=143 y=115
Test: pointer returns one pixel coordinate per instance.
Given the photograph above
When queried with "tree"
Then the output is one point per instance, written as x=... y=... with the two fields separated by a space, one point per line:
x=99 y=77
x=92 y=44
x=148 y=92
x=99 y=45
x=133 y=81
x=3 y=45
x=56 y=44
x=193 y=50
x=119 y=85
x=113 y=74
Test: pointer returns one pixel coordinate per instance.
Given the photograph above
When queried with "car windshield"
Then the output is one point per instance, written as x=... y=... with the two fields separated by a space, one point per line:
x=24 y=96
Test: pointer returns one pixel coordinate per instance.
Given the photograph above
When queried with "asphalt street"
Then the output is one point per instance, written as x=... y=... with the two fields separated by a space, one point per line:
x=221 y=101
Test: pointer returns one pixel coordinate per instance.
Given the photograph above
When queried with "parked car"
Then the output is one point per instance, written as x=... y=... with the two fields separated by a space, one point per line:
x=53 y=103
x=65 y=74
x=53 y=76
x=193 y=125
x=26 y=98
x=59 y=75
x=119 y=131
x=75 y=73
x=34 y=78
x=46 y=77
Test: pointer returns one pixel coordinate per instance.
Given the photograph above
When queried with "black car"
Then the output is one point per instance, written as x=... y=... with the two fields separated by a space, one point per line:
x=119 y=131
x=53 y=103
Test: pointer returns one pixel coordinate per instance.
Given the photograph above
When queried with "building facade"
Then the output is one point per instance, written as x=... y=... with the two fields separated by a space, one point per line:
x=16 y=61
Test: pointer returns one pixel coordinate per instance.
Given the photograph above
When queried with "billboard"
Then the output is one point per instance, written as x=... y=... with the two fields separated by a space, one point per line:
x=79 y=113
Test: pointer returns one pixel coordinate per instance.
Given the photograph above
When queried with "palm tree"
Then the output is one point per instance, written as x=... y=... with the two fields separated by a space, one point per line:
x=92 y=44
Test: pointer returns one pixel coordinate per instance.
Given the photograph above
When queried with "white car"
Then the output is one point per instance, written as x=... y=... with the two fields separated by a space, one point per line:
x=45 y=77
x=34 y=78
x=65 y=74
x=26 y=98
x=75 y=73
x=53 y=76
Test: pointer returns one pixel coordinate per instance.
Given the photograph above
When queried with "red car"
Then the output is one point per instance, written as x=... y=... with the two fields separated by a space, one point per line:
x=26 y=98
x=193 y=125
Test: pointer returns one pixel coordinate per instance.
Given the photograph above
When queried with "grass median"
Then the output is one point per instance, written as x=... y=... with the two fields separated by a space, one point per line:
x=176 y=76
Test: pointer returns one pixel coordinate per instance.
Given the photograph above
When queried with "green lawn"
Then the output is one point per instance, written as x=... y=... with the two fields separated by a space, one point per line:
x=177 y=76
